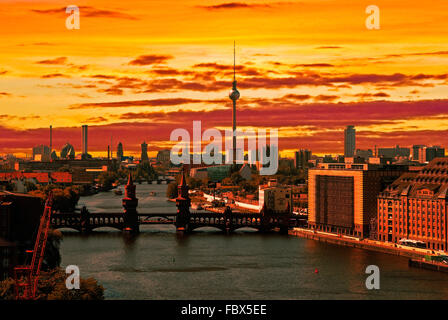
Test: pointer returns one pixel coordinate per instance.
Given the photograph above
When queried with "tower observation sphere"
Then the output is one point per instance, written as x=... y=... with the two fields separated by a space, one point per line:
x=234 y=94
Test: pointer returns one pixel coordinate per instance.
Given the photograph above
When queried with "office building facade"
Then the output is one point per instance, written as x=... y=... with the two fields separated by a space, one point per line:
x=342 y=197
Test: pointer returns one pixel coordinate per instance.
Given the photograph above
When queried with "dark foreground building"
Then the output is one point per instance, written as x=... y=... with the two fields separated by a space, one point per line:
x=342 y=197
x=19 y=219
x=415 y=207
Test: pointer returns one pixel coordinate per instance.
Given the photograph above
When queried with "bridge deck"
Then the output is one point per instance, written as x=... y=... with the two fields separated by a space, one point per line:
x=197 y=219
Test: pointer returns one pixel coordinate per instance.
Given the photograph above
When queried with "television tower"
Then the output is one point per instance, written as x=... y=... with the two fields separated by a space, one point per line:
x=234 y=95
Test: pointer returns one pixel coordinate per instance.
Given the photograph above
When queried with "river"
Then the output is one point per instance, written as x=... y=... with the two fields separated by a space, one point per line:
x=156 y=264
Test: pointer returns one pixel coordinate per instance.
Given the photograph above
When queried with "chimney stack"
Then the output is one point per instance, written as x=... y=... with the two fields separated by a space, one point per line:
x=84 y=139
x=51 y=138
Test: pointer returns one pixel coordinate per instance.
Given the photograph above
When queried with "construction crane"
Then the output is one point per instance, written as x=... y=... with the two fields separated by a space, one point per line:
x=26 y=277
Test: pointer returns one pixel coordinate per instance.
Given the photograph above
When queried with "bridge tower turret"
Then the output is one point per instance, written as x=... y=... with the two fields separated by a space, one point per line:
x=85 y=220
x=130 y=203
x=183 y=205
x=228 y=219
x=265 y=214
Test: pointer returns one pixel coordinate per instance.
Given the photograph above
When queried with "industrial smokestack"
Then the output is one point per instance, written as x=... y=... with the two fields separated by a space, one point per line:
x=51 y=138
x=84 y=139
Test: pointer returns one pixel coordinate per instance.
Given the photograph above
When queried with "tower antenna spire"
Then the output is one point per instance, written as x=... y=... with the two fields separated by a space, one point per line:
x=234 y=95
x=234 y=61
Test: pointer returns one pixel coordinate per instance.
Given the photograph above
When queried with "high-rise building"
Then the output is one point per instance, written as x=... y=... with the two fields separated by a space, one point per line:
x=416 y=151
x=301 y=159
x=163 y=156
x=414 y=207
x=366 y=154
x=427 y=154
x=395 y=152
x=342 y=197
x=349 y=141
x=234 y=95
x=120 y=153
x=84 y=140
x=144 y=156
x=41 y=153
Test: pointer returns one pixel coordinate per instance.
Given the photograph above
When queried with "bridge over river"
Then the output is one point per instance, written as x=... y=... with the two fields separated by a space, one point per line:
x=185 y=221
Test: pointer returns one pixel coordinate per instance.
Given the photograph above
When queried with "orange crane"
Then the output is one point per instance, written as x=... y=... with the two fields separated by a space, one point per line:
x=26 y=277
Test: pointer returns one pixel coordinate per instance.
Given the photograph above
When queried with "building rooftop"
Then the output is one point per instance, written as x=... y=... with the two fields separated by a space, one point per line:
x=430 y=182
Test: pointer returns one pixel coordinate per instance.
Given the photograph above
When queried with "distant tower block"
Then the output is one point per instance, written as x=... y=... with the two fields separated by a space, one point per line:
x=349 y=141
x=144 y=155
x=234 y=95
x=120 y=153
x=84 y=139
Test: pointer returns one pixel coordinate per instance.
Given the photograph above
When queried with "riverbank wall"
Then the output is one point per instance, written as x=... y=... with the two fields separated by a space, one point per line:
x=365 y=244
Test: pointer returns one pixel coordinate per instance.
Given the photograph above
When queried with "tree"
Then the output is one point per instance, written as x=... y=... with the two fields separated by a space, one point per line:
x=52 y=256
x=106 y=179
x=236 y=178
x=63 y=199
x=10 y=187
x=30 y=186
x=171 y=191
x=226 y=181
x=145 y=171
x=194 y=183
x=51 y=286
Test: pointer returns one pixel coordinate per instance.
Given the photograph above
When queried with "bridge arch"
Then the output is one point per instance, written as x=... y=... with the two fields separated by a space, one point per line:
x=66 y=227
x=251 y=228
x=199 y=227
x=105 y=227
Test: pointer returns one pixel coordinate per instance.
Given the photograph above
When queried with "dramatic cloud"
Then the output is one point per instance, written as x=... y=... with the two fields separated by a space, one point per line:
x=11 y=117
x=150 y=59
x=435 y=53
x=323 y=97
x=372 y=95
x=55 y=75
x=88 y=12
x=316 y=65
x=329 y=47
x=143 y=103
x=95 y=120
x=55 y=61
x=235 y=5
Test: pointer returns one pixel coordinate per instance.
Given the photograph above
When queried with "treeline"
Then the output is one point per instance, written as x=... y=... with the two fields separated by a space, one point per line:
x=64 y=199
x=143 y=172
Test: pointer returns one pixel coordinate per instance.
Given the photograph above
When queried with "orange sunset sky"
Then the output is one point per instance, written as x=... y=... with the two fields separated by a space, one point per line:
x=138 y=69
